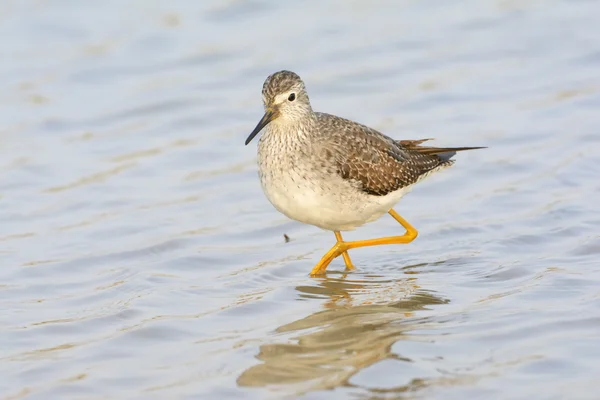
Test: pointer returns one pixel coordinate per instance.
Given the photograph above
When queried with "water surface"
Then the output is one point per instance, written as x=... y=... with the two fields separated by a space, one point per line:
x=140 y=258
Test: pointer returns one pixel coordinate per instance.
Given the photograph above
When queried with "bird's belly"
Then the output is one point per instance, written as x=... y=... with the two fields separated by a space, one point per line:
x=336 y=207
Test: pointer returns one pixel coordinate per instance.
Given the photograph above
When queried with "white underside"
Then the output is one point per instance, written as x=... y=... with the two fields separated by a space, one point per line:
x=336 y=206
x=335 y=216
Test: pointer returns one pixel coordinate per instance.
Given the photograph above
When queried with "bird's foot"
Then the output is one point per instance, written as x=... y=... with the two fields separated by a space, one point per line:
x=337 y=249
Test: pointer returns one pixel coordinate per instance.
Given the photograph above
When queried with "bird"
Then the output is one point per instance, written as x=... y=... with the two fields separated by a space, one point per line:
x=334 y=173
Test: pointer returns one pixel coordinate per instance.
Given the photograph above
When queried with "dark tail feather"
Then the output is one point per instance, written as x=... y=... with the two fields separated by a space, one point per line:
x=445 y=153
x=441 y=150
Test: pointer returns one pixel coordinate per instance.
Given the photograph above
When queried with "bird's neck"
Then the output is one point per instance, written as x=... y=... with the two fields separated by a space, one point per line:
x=292 y=132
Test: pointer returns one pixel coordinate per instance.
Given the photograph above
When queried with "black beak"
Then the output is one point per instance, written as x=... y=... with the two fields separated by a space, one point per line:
x=264 y=121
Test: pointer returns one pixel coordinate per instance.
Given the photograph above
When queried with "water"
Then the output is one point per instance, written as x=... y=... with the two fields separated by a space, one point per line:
x=141 y=260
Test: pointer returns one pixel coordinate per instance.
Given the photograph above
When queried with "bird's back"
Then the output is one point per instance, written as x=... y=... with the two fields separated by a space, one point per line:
x=377 y=163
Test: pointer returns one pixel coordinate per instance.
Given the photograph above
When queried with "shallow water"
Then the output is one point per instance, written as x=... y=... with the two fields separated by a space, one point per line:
x=140 y=258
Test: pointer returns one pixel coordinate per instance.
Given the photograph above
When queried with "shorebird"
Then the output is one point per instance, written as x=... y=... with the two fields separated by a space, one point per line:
x=333 y=173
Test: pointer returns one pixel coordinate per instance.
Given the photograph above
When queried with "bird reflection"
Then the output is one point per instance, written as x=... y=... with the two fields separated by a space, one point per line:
x=362 y=319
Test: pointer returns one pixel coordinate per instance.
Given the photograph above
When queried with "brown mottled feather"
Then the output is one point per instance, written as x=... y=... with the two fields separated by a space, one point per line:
x=376 y=163
x=281 y=82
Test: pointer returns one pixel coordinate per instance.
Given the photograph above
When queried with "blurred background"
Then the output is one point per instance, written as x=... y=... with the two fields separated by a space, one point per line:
x=139 y=258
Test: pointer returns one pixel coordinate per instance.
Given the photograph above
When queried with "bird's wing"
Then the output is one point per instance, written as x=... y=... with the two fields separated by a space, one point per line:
x=377 y=164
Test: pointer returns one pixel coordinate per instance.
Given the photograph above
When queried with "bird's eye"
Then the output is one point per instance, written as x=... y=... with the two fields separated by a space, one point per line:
x=292 y=97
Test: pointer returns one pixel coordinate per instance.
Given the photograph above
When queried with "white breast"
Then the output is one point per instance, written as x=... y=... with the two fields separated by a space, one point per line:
x=328 y=202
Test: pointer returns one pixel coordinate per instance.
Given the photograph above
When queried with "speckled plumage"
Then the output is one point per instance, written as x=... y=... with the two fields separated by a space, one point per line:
x=331 y=172
x=281 y=82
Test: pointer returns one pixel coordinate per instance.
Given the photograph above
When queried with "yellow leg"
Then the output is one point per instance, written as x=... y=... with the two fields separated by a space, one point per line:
x=347 y=260
x=342 y=247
